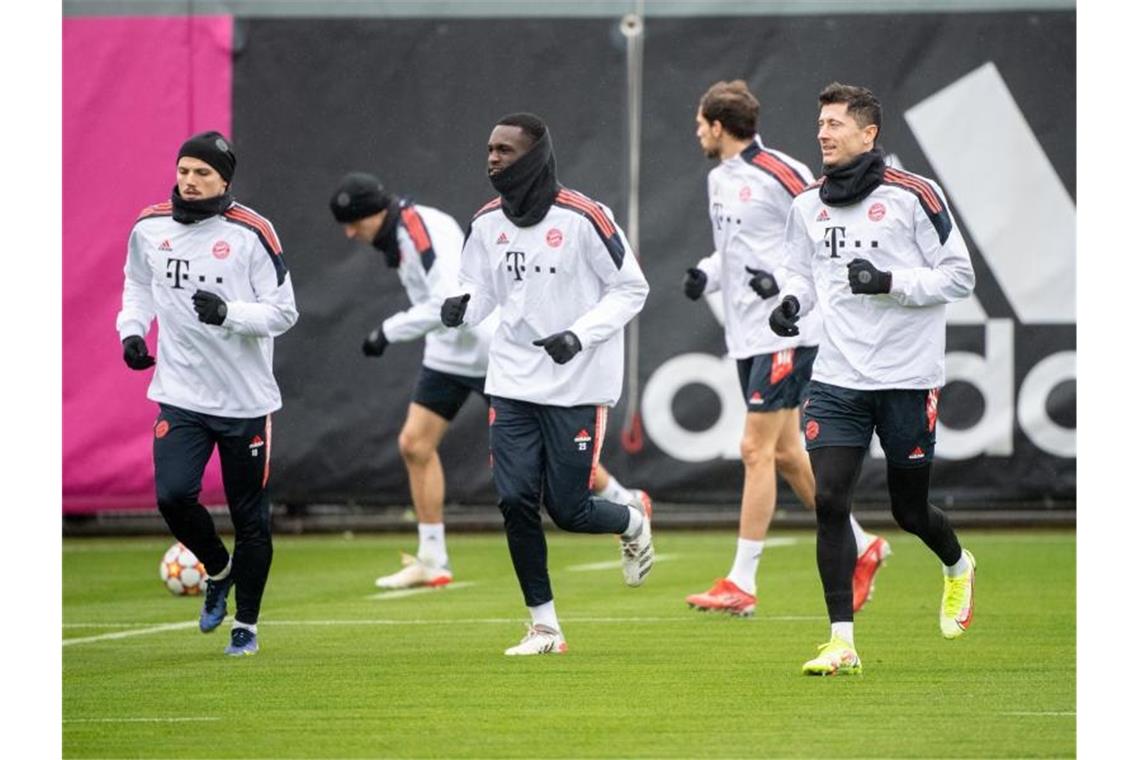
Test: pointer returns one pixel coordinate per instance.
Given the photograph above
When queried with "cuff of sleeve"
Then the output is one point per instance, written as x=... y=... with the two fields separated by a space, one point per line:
x=901 y=282
x=236 y=315
x=127 y=329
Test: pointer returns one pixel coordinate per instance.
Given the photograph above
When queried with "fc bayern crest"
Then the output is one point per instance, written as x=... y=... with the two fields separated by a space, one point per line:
x=745 y=194
x=876 y=212
x=554 y=237
x=221 y=250
x=812 y=430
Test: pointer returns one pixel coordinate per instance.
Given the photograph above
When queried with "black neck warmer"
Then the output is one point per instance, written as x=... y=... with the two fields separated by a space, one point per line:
x=188 y=212
x=851 y=183
x=529 y=185
x=385 y=240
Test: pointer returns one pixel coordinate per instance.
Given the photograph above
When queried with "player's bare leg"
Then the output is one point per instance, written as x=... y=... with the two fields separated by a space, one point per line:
x=419 y=446
x=792 y=460
x=736 y=593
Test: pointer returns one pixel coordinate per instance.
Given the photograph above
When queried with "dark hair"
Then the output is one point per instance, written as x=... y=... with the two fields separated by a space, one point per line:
x=733 y=106
x=861 y=103
x=527 y=122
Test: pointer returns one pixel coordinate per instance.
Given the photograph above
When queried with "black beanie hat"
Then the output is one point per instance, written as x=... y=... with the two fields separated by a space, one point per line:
x=214 y=149
x=358 y=195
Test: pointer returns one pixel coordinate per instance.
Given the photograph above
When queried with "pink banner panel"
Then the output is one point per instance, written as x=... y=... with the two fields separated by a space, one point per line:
x=133 y=90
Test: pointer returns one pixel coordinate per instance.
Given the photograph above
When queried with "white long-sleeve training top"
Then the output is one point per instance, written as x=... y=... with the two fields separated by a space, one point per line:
x=574 y=271
x=430 y=242
x=891 y=340
x=749 y=198
x=224 y=370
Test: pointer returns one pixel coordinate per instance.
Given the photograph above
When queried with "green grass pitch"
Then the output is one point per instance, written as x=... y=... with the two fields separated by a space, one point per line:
x=346 y=673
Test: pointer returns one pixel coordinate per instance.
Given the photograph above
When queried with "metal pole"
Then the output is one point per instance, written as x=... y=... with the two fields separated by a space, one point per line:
x=633 y=28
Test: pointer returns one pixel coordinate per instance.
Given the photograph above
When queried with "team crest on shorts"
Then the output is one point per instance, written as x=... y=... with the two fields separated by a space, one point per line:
x=812 y=430
x=161 y=428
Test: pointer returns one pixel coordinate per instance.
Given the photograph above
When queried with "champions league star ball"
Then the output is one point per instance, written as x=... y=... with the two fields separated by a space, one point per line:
x=181 y=571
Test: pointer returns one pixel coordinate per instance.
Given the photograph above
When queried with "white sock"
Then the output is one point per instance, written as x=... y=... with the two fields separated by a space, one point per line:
x=544 y=614
x=845 y=631
x=225 y=573
x=433 y=547
x=747 y=561
x=615 y=492
x=961 y=567
x=252 y=628
x=636 y=520
x=862 y=538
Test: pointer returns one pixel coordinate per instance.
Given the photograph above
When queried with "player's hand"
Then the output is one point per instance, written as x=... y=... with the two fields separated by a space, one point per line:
x=694 y=283
x=763 y=283
x=784 y=317
x=561 y=346
x=375 y=343
x=135 y=353
x=210 y=307
x=867 y=280
x=453 y=309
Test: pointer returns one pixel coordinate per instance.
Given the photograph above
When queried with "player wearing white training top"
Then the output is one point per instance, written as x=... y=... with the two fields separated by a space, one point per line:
x=878 y=253
x=750 y=191
x=563 y=276
x=422 y=244
x=212 y=272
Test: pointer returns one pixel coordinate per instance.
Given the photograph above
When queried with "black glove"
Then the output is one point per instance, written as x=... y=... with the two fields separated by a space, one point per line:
x=694 y=283
x=865 y=279
x=763 y=283
x=375 y=343
x=453 y=309
x=784 y=317
x=135 y=353
x=561 y=346
x=210 y=307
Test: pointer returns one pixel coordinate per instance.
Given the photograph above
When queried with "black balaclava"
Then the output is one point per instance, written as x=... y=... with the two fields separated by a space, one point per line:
x=852 y=182
x=529 y=185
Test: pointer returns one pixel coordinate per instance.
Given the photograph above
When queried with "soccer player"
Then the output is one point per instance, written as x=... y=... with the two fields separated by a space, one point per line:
x=212 y=272
x=422 y=244
x=566 y=282
x=750 y=191
x=878 y=252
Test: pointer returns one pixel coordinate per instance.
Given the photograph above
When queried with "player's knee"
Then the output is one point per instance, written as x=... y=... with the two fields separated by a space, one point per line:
x=755 y=451
x=789 y=460
x=175 y=497
x=831 y=503
x=908 y=517
x=414 y=449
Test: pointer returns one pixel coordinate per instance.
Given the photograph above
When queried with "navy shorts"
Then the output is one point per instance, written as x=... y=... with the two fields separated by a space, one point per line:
x=771 y=382
x=904 y=419
x=444 y=393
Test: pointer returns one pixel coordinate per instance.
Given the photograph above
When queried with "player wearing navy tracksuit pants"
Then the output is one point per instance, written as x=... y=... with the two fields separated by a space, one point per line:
x=565 y=282
x=212 y=272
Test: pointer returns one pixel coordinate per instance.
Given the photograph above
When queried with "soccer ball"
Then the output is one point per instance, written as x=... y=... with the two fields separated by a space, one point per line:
x=181 y=571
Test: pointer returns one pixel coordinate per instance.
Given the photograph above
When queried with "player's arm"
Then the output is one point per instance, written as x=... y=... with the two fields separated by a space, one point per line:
x=794 y=275
x=624 y=287
x=137 y=311
x=474 y=282
x=948 y=276
x=274 y=308
x=427 y=287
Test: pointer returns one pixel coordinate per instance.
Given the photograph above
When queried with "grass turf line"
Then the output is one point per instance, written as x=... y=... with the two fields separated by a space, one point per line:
x=658 y=681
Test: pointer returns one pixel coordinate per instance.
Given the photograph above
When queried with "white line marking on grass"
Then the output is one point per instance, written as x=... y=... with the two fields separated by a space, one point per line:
x=1043 y=713
x=135 y=720
x=133 y=632
x=614 y=564
x=400 y=594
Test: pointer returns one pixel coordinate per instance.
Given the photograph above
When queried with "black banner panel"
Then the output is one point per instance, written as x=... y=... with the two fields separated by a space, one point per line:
x=983 y=103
